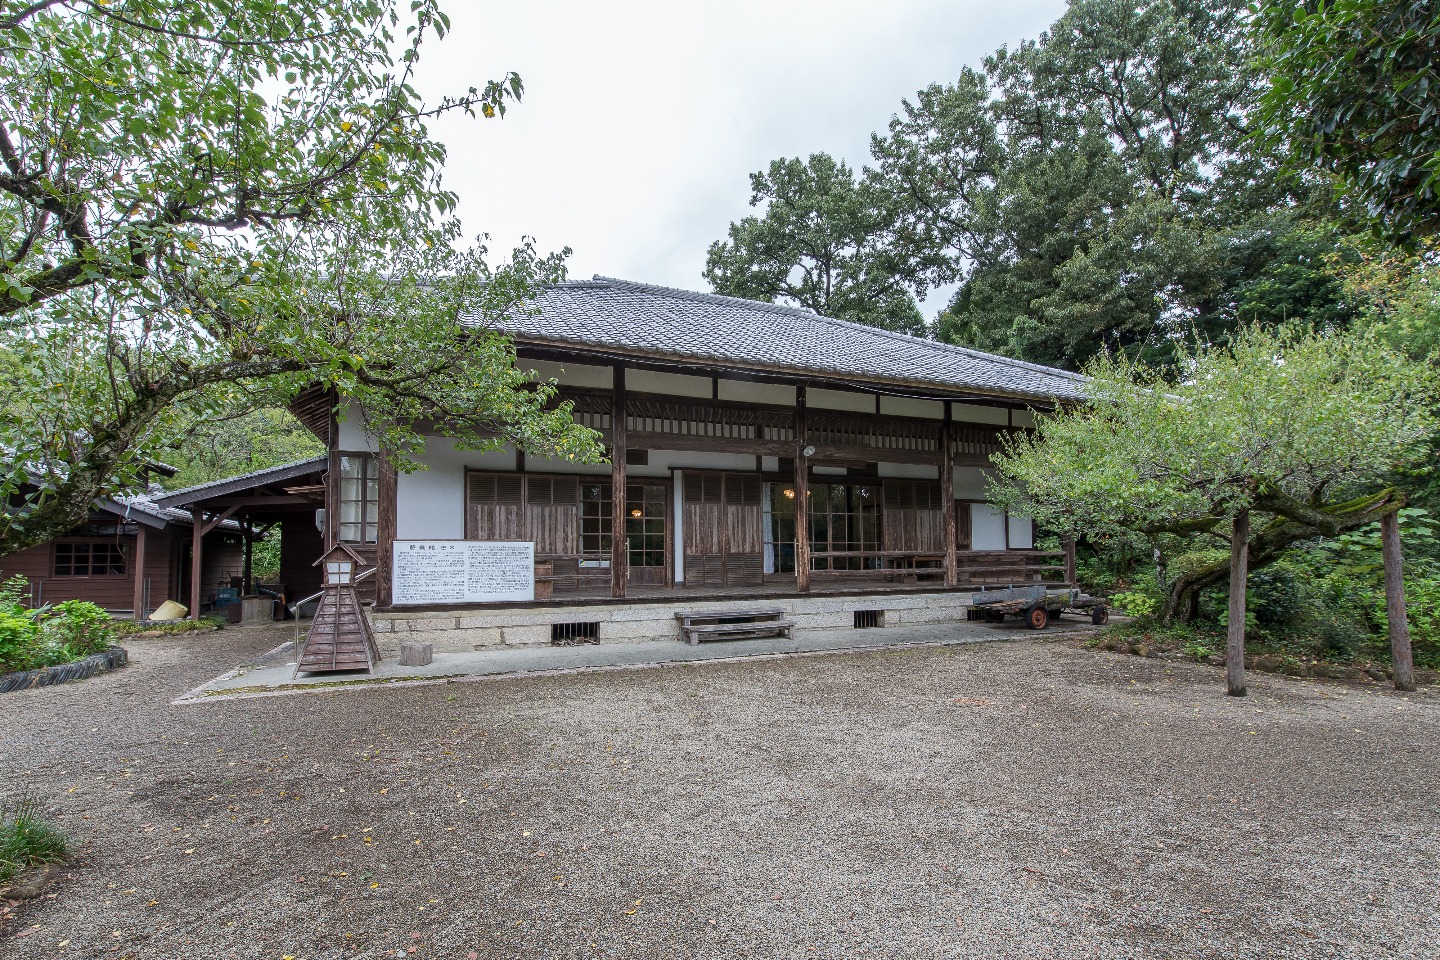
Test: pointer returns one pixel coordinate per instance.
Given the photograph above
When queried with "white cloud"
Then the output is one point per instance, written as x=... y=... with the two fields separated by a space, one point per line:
x=642 y=121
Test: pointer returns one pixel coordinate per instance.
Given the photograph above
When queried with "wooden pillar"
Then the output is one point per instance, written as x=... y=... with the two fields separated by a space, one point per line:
x=197 y=537
x=138 y=560
x=802 y=493
x=947 y=497
x=618 y=554
x=332 y=486
x=247 y=579
x=385 y=532
x=1070 y=575
x=1235 y=637
x=1402 y=660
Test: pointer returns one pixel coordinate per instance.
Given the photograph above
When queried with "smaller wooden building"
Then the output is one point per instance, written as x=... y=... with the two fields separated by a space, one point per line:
x=130 y=556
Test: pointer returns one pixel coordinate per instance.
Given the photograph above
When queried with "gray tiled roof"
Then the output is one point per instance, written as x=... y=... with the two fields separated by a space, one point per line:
x=244 y=481
x=664 y=324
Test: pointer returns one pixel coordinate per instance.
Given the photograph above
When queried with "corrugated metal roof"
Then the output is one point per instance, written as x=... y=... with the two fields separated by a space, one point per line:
x=665 y=324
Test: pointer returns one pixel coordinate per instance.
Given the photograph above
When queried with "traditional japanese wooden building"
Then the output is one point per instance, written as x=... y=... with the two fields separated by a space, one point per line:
x=132 y=554
x=760 y=455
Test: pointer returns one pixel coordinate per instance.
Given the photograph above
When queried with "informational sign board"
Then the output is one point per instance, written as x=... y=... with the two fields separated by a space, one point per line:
x=463 y=571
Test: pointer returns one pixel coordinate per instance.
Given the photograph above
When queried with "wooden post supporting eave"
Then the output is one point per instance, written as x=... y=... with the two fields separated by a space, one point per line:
x=139 y=570
x=802 y=494
x=1239 y=575
x=947 y=497
x=247 y=562
x=197 y=537
x=618 y=553
x=1402 y=659
x=385 y=532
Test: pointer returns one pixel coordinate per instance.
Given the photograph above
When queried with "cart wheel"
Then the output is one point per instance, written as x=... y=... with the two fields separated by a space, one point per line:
x=1037 y=618
x=1100 y=616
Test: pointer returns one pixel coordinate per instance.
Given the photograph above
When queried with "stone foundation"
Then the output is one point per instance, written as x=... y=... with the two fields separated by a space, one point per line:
x=628 y=622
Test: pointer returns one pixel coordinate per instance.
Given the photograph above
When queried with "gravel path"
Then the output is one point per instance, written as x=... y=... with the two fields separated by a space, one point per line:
x=1022 y=799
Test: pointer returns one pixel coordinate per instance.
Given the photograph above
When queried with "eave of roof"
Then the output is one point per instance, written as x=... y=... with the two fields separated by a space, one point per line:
x=246 y=481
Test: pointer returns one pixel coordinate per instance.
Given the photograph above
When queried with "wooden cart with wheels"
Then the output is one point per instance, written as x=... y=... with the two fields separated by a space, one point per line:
x=1037 y=605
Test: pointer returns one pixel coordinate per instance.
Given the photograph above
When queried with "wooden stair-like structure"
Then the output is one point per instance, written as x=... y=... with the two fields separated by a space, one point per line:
x=340 y=637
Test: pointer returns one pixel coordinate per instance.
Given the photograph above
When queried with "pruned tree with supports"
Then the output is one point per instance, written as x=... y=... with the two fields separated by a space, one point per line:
x=1272 y=440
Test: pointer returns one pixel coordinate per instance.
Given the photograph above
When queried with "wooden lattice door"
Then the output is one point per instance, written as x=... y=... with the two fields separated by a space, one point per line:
x=723 y=531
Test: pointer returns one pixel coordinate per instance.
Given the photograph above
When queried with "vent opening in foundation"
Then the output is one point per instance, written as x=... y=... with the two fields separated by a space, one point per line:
x=869 y=618
x=573 y=634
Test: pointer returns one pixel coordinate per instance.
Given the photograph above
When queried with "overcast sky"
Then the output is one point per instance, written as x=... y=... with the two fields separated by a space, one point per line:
x=642 y=121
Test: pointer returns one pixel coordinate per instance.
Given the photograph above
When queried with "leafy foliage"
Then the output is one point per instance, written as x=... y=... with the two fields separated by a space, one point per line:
x=48 y=635
x=1095 y=189
x=1355 y=91
x=206 y=208
x=1303 y=428
x=819 y=245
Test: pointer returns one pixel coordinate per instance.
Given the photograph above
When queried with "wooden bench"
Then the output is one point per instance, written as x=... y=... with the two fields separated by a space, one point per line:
x=733 y=624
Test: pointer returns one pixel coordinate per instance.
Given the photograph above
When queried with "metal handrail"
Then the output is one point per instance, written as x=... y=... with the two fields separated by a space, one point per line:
x=292 y=607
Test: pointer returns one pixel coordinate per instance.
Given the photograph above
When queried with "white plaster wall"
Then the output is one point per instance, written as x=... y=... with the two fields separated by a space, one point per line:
x=910 y=471
x=561 y=465
x=353 y=436
x=747 y=392
x=770 y=464
x=569 y=374
x=822 y=399
x=430 y=503
x=911 y=407
x=987 y=527
x=669 y=384
x=970 y=483
x=664 y=460
x=973 y=413
x=1022 y=534
x=1023 y=418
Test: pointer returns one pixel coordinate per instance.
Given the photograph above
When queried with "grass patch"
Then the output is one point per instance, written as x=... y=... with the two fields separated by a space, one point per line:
x=26 y=839
x=129 y=628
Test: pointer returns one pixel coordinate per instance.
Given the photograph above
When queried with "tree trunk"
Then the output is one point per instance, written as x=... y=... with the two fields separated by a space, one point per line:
x=1401 y=658
x=1235 y=638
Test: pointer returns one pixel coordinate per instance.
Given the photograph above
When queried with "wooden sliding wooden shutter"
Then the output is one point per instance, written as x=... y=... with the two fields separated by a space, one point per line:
x=552 y=515
x=914 y=520
x=494 y=508
x=722 y=529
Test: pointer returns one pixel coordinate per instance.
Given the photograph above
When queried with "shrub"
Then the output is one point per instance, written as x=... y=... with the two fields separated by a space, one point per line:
x=78 y=628
x=26 y=839
x=20 y=647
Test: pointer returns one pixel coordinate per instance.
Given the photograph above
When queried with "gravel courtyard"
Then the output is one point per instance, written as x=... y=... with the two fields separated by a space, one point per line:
x=1023 y=798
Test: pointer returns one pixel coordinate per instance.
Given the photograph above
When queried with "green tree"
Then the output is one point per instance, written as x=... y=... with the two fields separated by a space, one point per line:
x=1096 y=189
x=1278 y=437
x=257 y=439
x=819 y=245
x=1355 y=91
x=207 y=201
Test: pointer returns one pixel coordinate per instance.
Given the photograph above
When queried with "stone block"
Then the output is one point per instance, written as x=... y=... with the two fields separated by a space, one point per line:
x=414 y=653
x=473 y=638
x=526 y=635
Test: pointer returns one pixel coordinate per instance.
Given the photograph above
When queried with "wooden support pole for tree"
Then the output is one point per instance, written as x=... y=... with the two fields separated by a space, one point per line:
x=618 y=553
x=1402 y=661
x=1235 y=637
x=197 y=537
x=1071 y=577
x=139 y=571
x=802 y=494
x=385 y=532
x=947 y=496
